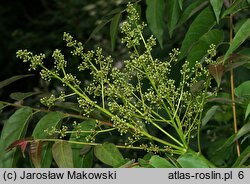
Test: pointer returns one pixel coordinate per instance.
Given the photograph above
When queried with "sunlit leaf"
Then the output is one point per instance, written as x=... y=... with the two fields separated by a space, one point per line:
x=239 y=38
x=201 y=24
x=155 y=18
x=62 y=154
x=14 y=129
x=36 y=153
x=109 y=154
x=217 y=6
x=159 y=162
x=114 y=25
x=12 y=79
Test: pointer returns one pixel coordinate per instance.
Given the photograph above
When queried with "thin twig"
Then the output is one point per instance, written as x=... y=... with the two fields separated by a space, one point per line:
x=232 y=84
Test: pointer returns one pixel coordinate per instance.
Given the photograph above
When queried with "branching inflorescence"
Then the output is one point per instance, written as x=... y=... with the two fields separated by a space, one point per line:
x=138 y=96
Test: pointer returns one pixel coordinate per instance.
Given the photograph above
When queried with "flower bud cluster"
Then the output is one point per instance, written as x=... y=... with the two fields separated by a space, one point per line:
x=136 y=97
x=35 y=60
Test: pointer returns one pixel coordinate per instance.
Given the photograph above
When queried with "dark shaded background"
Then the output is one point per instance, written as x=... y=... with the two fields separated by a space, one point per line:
x=38 y=26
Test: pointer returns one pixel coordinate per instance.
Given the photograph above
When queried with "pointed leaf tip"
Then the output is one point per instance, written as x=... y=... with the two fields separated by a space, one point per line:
x=217 y=71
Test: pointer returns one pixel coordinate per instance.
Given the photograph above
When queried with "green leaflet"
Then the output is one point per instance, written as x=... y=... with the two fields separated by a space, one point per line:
x=192 y=8
x=21 y=96
x=217 y=6
x=242 y=34
x=14 y=129
x=48 y=121
x=243 y=131
x=209 y=114
x=12 y=79
x=62 y=154
x=52 y=119
x=114 y=25
x=192 y=159
x=243 y=158
x=80 y=156
x=247 y=110
x=159 y=162
x=180 y=3
x=173 y=14
x=237 y=6
x=98 y=28
x=109 y=154
x=155 y=18
x=243 y=90
x=199 y=50
x=201 y=25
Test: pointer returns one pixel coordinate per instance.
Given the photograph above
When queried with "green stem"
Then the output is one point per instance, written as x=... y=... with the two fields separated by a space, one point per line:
x=179 y=152
x=200 y=118
x=89 y=131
